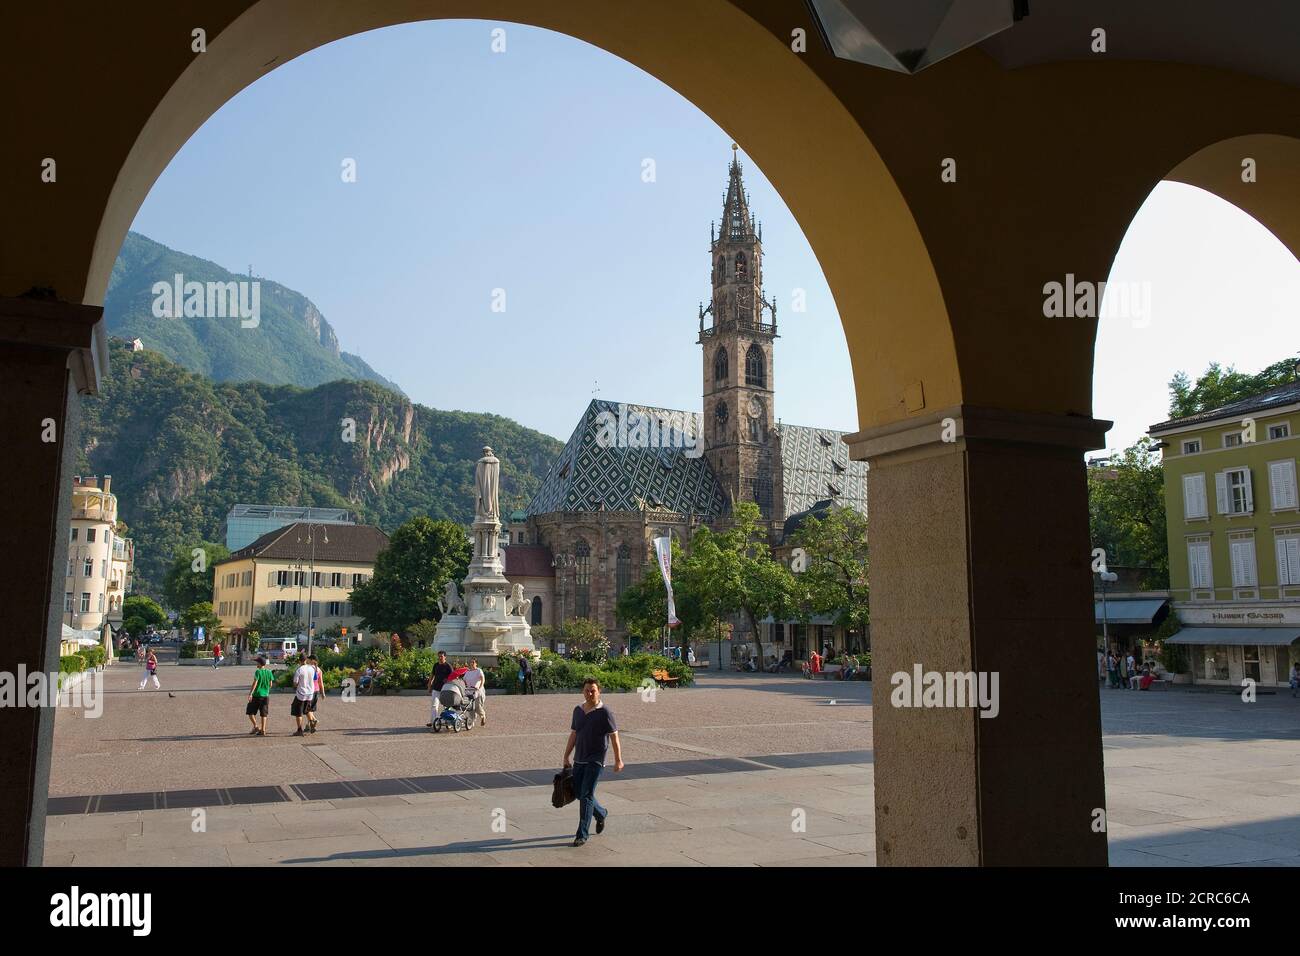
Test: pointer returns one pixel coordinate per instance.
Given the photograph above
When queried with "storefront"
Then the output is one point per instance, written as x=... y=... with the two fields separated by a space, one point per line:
x=1227 y=645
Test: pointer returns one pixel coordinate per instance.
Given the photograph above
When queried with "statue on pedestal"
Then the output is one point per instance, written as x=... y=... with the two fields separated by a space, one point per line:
x=486 y=474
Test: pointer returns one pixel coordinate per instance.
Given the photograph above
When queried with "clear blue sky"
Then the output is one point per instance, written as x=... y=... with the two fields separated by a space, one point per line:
x=522 y=170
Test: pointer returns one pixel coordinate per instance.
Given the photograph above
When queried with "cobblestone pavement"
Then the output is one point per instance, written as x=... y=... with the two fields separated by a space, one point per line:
x=1192 y=778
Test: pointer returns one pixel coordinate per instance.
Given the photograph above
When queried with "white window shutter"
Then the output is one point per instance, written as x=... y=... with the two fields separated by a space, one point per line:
x=1282 y=484
x=1250 y=573
x=1190 y=509
x=1293 y=558
x=1250 y=497
x=1283 y=571
x=1234 y=552
x=1221 y=491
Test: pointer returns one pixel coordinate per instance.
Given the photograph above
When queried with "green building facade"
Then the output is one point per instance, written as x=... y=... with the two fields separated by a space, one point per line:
x=1234 y=536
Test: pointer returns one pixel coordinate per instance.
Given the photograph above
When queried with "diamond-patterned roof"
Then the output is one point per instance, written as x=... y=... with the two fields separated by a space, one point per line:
x=588 y=475
x=815 y=465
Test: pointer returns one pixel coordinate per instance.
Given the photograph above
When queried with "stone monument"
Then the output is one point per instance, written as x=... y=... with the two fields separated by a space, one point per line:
x=487 y=615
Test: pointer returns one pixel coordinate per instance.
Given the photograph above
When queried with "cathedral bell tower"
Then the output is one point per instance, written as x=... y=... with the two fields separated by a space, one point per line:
x=737 y=355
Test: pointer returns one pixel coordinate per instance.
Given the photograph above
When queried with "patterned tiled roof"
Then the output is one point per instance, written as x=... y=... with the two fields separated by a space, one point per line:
x=587 y=475
x=815 y=465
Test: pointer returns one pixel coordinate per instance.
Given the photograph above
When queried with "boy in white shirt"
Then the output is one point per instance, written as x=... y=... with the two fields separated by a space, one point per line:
x=304 y=691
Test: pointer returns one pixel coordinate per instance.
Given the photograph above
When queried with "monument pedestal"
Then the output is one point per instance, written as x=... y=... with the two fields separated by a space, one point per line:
x=487 y=624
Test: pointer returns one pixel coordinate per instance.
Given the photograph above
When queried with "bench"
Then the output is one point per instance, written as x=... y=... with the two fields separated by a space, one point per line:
x=663 y=678
x=829 y=671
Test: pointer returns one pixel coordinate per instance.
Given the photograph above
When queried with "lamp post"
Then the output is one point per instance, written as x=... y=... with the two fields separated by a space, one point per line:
x=311 y=581
x=1107 y=577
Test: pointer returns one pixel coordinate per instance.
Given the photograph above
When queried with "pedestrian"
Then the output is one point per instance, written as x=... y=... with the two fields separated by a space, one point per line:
x=441 y=671
x=304 y=689
x=139 y=652
x=526 y=685
x=1295 y=679
x=216 y=655
x=625 y=650
x=1130 y=670
x=259 y=696
x=815 y=664
x=150 y=670
x=318 y=688
x=476 y=684
x=592 y=727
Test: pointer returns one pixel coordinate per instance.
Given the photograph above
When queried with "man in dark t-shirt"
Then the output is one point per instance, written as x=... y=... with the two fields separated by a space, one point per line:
x=592 y=725
x=441 y=671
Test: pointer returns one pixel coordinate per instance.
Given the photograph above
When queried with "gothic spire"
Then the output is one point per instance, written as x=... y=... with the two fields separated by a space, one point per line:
x=736 y=220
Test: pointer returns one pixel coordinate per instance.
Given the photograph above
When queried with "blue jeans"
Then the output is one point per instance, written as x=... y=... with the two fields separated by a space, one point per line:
x=585 y=776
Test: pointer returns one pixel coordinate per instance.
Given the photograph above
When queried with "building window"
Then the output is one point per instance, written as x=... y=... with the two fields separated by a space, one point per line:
x=1288 y=559
x=1194 y=503
x=1200 y=573
x=282 y=578
x=1282 y=484
x=742 y=267
x=1232 y=488
x=760 y=492
x=622 y=570
x=1243 y=562
x=357 y=579
x=1192 y=446
x=582 y=589
x=103 y=569
x=720 y=364
x=335 y=608
x=88 y=568
x=536 y=619
x=74 y=534
x=90 y=535
x=521 y=538
x=85 y=602
x=755 y=367
x=1216 y=662
x=67 y=601
x=1232 y=439
x=722 y=270
x=1282 y=430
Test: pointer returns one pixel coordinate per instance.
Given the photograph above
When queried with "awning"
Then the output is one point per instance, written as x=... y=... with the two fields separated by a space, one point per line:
x=1129 y=610
x=1236 y=636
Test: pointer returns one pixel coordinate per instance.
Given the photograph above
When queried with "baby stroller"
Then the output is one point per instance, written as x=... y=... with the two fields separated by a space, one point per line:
x=457 y=708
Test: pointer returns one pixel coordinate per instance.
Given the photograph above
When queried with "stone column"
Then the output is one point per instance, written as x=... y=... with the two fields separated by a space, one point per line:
x=49 y=351
x=980 y=561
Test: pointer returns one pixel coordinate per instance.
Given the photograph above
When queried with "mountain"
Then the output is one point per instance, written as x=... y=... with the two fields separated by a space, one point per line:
x=292 y=343
x=182 y=449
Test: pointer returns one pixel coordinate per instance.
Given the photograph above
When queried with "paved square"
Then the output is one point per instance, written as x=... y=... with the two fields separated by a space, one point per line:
x=743 y=769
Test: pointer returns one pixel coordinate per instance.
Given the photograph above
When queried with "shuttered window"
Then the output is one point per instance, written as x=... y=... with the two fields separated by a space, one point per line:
x=1198 y=564
x=1281 y=484
x=1194 y=504
x=1243 y=563
x=1233 y=492
x=1288 y=559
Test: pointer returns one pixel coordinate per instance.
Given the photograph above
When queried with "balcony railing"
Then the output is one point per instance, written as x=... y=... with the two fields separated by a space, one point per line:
x=1223 y=595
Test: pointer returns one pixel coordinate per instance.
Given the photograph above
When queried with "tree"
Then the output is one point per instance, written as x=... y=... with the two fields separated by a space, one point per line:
x=189 y=579
x=269 y=624
x=734 y=572
x=140 y=612
x=422 y=556
x=1218 y=386
x=835 y=580
x=201 y=615
x=1126 y=512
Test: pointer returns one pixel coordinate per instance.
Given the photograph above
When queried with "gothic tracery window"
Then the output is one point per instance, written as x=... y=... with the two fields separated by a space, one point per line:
x=582 y=588
x=536 y=618
x=741 y=266
x=755 y=367
x=720 y=365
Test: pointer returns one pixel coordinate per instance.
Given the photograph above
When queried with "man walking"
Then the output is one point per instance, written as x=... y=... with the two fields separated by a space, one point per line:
x=592 y=725
x=441 y=671
x=216 y=656
x=259 y=696
x=304 y=689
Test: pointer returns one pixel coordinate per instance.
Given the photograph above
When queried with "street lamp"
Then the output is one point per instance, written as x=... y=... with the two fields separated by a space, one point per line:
x=1107 y=577
x=311 y=581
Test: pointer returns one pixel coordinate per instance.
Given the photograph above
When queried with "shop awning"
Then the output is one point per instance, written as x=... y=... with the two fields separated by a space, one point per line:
x=1267 y=636
x=1129 y=610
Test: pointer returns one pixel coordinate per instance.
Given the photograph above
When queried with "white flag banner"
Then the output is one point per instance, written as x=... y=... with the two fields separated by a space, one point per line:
x=664 y=552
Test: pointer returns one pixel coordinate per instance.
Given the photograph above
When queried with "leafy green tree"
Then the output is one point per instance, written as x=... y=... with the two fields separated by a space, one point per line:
x=202 y=615
x=185 y=584
x=734 y=572
x=1126 y=512
x=835 y=580
x=1218 y=386
x=422 y=556
x=269 y=624
x=140 y=612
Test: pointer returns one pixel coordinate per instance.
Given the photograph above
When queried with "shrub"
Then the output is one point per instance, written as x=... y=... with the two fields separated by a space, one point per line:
x=188 y=650
x=94 y=656
x=72 y=664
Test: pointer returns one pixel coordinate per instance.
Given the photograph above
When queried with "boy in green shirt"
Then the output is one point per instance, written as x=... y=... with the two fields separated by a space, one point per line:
x=257 y=696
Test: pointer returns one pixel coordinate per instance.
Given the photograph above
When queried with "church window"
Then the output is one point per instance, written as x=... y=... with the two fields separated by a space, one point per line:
x=756 y=429
x=720 y=365
x=622 y=571
x=755 y=367
x=582 y=590
x=760 y=492
x=741 y=266
x=536 y=618
x=722 y=270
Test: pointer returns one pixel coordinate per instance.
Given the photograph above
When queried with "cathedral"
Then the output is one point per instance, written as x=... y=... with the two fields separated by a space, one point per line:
x=631 y=473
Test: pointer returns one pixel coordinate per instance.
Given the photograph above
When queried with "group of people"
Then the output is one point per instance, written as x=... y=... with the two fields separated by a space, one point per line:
x=308 y=689
x=470 y=681
x=1123 y=671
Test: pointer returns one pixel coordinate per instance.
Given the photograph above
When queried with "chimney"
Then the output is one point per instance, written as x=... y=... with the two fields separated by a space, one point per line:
x=108 y=480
